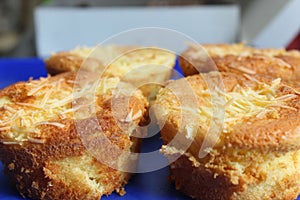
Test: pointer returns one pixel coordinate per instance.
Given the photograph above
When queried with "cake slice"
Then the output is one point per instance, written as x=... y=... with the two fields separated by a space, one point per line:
x=59 y=140
x=144 y=67
x=238 y=58
x=231 y=138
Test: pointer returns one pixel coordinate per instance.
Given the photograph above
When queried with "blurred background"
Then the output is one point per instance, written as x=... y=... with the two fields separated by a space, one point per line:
x=31 y=28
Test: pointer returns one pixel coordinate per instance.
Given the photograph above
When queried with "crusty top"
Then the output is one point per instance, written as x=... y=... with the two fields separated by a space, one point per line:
x=239 y=49
x=252 y=113
x=114 y=61
x=240 y=58
x=39 y=110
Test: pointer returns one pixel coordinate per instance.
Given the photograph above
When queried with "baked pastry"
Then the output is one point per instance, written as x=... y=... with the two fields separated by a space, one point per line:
x=231 y=137
x=59 y=140
x=97 y=57
x=139 y=66
x=240 y=58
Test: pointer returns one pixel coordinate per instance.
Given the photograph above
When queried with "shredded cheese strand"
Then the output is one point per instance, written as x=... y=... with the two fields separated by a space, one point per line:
x=57 y=124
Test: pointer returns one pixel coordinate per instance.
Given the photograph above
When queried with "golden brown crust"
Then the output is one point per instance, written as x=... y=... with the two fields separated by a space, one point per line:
x=218 y=180
x=43 y=166
x=253 y=132
x=69 y=62
x=256 y=65
x=200 y=58
x=199 y=182
x=116 y=61
x=272 y=134
x=249 y=159
x=293 y=60
x=140 y=66
x=241 y=59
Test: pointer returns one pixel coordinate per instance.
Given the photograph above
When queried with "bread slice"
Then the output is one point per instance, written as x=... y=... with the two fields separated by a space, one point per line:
x=61 y=141
x=140 y=66
x=237 y=58
x=251 y=151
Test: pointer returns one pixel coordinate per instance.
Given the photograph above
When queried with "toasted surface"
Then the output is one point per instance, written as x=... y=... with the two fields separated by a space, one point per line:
x=69 y=62
x=136 y=65
x=260 y=123
x=74 y=59
x=272 y=176
x=277 y=63
x=238 y=49
x=250 y=107
x=47 y=136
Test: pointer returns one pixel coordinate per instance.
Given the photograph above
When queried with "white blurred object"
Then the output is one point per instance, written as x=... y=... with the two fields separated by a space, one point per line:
x=271 y=23
x=63 y=28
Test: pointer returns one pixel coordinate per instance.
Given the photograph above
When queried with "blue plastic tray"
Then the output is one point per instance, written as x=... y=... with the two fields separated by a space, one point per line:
x=153 y=185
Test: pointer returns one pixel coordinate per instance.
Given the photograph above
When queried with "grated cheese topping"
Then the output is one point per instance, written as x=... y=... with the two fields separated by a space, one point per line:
x=239 y=50
x=120 y=61
x=220 y=50
x=47 y=101
x=239 y=104
x=3 y=101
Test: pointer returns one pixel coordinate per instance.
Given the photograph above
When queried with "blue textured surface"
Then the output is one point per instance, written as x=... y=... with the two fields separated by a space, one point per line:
x=13 y=70
x=146 y=186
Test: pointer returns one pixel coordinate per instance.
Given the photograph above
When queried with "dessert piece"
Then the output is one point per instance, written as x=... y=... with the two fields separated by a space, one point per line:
x=230 y=137
x=139 y=66
x=59 y=140
x=276 y=63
